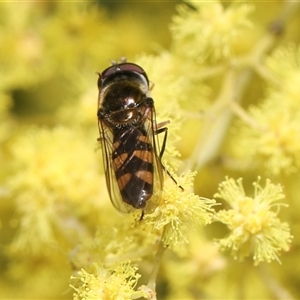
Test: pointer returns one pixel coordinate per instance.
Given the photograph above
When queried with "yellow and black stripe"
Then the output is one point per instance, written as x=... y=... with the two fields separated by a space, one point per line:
x=132 y=159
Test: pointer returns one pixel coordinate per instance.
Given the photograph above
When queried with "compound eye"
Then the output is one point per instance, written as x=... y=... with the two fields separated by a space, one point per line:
x=107 y=72
x=124 y=68
x=131 y=68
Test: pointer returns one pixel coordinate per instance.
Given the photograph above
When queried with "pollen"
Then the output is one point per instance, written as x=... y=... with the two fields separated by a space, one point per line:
x=180 y=210
x=255 y=229
x=217 y=28
x=102 y=283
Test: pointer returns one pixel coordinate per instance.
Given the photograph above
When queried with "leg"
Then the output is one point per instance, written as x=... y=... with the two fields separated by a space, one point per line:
x=158 y=131
x=162 y=150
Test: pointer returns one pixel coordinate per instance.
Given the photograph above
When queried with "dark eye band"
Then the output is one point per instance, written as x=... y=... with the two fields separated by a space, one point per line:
x=123 y=67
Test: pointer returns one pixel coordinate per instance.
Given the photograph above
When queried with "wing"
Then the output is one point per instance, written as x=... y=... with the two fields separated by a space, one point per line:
x=106 y=139
x=158 y=175
x=133 y=169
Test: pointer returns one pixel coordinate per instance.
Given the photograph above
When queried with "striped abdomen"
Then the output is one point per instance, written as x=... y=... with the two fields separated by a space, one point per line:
x=132 y=160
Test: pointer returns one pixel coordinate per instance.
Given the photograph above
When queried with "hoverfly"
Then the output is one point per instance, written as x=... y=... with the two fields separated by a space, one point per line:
x=128 y=135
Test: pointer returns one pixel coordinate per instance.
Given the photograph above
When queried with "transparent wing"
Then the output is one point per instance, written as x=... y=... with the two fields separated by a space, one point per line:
x=122 y=162
x=158 y=175
x=106 y=139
